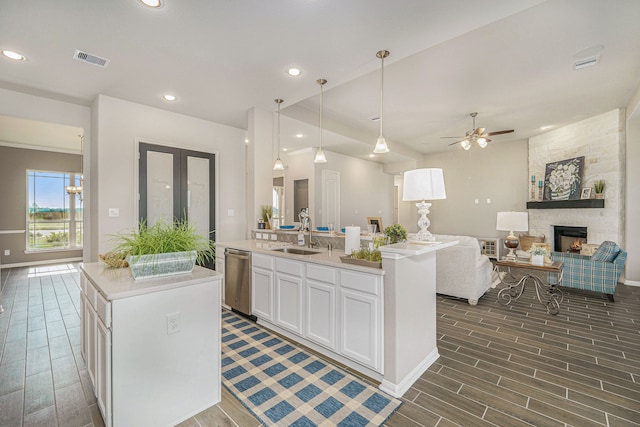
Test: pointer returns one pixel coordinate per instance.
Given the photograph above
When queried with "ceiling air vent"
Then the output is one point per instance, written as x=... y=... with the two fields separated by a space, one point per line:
x=586 y=62
x=91 y=59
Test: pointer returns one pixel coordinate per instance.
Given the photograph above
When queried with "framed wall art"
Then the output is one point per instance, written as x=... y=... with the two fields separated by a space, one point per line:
x=562 y=179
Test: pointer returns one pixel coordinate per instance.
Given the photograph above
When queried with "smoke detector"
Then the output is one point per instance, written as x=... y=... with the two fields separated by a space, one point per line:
x=90 y=58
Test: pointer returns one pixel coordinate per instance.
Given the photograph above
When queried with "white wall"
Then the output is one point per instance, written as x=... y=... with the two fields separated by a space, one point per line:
x=119 y=124
x=632 y=192
x=33 y=107
x=600 y=140
x=497 y=172
x=365 y=190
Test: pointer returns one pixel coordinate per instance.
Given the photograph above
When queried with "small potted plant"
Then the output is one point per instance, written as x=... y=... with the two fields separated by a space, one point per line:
x=396 y=233
x=538 y=255
x=598 y=187
x=267 y=213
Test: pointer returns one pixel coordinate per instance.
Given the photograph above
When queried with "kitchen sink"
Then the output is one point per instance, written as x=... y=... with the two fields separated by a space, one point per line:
x=296 y=251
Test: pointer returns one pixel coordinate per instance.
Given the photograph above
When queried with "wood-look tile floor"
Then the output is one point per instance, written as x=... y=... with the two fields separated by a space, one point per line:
x=499 y=365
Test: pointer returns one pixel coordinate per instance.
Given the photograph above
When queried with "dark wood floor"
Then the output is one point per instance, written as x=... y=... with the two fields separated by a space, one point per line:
x=499 y=365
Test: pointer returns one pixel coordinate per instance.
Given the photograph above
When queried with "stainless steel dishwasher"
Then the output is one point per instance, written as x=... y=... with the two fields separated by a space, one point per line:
x=237 y=280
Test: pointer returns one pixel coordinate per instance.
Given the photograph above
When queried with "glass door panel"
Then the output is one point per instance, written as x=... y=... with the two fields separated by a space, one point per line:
x=159 y=187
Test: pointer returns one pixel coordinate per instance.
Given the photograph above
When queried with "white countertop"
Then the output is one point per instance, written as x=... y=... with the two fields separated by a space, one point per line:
x=411 y=248
x=116 y=283
x=322 y=257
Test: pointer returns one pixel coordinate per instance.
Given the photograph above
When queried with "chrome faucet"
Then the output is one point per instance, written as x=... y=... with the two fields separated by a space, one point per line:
x=312 y=244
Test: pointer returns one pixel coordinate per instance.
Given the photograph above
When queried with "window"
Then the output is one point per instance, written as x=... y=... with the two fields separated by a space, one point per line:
x=54 y=218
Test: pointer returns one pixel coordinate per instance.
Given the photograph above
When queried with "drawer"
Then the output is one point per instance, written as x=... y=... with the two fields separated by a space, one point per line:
x=295 y=268
x=264 y=261
x=103 y=308
x=362 y=282
x=324 y=274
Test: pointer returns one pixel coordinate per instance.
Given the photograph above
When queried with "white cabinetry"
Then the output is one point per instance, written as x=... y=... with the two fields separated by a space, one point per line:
x=289 y=290
x=361 y=314
x=144 y=373
x=339 y=309
x=220 y=267
x=262 y=295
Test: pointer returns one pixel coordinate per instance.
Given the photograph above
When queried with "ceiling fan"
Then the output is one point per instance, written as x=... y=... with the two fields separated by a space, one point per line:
x=477 y=135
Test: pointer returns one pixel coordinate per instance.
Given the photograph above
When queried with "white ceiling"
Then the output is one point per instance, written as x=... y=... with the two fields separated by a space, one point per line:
x=509 y=60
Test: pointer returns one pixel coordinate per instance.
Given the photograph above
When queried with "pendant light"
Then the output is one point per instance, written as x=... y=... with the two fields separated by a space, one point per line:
x=77 y=189
x=278 y=165
x=320 y=157
x=381 y=144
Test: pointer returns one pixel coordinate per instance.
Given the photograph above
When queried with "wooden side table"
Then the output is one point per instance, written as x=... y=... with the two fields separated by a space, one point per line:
x=549 y=295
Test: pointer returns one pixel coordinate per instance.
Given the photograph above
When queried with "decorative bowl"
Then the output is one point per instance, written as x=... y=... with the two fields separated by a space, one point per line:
x=287 y=227
x=322 y=228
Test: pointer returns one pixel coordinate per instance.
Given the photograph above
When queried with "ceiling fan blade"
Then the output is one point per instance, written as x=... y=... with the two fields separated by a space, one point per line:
x=479 y=131
x=457 y=142
x=500 y=132
x=459 y=137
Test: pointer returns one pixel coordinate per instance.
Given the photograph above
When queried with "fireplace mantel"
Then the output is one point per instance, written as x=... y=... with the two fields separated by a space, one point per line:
x=566 y=204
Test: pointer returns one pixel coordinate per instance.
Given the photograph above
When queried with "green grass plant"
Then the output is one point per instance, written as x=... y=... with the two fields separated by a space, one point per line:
x=163 y=237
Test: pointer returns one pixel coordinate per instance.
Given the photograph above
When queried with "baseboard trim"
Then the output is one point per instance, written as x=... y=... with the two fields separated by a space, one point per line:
x=397 y=390
x=631 y=282
x=44 y=262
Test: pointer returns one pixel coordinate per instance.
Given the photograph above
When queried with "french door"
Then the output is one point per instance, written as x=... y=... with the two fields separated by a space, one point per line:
x=175 y=183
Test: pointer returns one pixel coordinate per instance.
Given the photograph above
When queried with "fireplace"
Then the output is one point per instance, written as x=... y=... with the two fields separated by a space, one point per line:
x=568 y=238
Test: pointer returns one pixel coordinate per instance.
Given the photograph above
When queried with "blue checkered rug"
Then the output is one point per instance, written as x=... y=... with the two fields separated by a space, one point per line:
x=283 y=385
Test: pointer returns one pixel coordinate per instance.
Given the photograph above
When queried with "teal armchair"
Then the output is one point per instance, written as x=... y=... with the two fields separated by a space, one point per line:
x=599 y=272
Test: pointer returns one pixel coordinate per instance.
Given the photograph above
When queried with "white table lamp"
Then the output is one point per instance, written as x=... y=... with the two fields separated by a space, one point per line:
x=512 y=221
x=423 y=184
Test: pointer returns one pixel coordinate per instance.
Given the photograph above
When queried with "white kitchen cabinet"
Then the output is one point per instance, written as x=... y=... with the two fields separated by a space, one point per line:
x=361 y=318
x=289 y=294
x=320 y=305
x=140 y=341
x=220 y=267
x=262 y=294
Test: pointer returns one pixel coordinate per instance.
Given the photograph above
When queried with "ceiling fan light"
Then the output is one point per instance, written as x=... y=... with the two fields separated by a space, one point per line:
x=381 y=146
x=320 y=157
x=278 y=165
x=482 y=142
x=465 y=144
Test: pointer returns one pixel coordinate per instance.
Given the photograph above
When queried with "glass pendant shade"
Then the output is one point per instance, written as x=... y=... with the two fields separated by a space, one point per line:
x=381 y=146
x=320 y=157
x=482 y=142
x=465 y=144
x=278 y=165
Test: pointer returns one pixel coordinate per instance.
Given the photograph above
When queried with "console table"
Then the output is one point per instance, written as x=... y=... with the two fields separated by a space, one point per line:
x=549 y=295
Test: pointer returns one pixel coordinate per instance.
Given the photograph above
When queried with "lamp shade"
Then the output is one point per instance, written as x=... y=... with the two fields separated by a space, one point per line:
x=512 y=221
x=424 y=184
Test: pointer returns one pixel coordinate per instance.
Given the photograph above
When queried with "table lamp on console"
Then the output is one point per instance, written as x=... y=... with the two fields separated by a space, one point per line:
x=421 y=185
x=512 y=221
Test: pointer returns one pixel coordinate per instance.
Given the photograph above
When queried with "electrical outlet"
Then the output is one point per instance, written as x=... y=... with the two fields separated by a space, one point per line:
x=274 y=237
x=258 y=236
x=7 y=252
x=173 y=323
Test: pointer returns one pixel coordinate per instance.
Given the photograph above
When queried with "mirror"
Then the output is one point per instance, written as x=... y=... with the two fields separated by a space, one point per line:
x=300 y=196
x=277 y=218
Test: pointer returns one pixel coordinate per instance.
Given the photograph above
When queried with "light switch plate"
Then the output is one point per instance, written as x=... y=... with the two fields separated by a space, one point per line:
x=258 y=235
x=114 y=212
x=274 y=237
x=231 y=212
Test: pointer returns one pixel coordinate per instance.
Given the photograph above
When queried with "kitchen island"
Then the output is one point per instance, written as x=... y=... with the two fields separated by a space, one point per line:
x=152 y=346
x=380 y=322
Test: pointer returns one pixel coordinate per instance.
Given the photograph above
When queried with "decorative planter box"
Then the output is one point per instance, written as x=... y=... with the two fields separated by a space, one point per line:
x=363 y=262
x=153 y=265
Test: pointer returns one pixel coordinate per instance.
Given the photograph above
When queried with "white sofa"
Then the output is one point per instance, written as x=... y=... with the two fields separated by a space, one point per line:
x=461 y=270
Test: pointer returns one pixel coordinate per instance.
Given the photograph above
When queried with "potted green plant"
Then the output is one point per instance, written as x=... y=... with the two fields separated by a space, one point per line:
x=267 y=213
x=598 y=187
x=396 y=233
x=162 y=249
x=537 y=255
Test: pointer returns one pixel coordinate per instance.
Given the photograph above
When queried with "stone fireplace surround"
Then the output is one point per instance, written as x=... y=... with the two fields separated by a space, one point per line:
x=601 y=139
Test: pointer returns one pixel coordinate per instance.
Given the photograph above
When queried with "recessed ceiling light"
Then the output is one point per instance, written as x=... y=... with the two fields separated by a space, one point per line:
x=152 y=3
x=246 y=140
x=545 y=127
x=169 y=97
x=294 y=72
x=589 y=51
x=284 y=149
x=299 y=135
x=372 y=155
x=14 y=55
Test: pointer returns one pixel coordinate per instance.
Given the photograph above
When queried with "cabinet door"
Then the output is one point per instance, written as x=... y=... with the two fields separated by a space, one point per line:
x=360 y=328
x=289 y=302
x=90 y=335
x=220 y=269
x=320 y=322
x=262 y=293
x=103 y=370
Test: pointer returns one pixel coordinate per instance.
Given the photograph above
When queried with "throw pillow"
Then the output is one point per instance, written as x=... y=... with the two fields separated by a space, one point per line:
x=526 y=241
x=607 y=252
